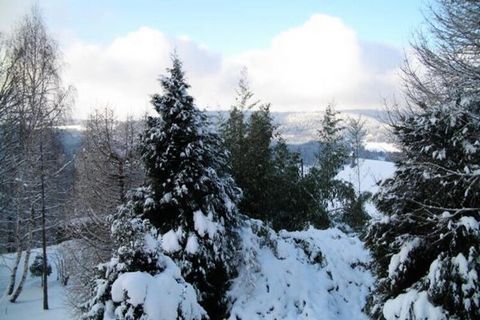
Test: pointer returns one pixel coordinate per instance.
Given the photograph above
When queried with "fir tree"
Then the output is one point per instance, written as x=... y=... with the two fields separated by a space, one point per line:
x=289 y=199
x=328 y=193
x=258 y=174
x=356 y=215
x=194 y=200
x=188 y=202
x=429 y=244
x=426 y=249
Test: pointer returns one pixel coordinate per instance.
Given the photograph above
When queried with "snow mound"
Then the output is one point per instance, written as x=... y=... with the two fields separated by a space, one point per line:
x=412 y=302
x=161 y=296
x=314 y=274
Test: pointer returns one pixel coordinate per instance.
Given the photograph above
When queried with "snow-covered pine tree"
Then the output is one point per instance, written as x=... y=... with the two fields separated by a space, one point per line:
x=427 y=247
x=132 y=285
x=187 y=211
x=194 y=199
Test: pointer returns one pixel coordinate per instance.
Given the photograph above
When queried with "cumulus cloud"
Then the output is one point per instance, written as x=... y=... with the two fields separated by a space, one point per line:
x=303 y=68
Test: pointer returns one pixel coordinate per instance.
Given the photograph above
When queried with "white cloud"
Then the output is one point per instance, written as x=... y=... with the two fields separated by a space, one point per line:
x=304 y=68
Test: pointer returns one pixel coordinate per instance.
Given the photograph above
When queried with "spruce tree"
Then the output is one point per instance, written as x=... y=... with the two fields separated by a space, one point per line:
x=189 y=202
x=356 y=215
x=258 y=174
x=194 y=200
x=427 y=246
x=329 y=196
x=289 y=199
x=262 y=165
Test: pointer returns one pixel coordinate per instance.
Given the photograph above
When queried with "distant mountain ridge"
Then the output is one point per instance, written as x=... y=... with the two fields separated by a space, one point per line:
x=302 y=127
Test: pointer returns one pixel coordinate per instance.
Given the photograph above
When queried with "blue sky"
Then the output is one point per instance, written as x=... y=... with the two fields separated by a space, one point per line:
x=350 y=51
x=232 y=26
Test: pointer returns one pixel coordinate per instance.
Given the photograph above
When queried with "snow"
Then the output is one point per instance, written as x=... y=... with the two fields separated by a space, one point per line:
x=151 y=244
x=167 y=197
x=461 y=263
x=312 y=274
x=29 y=304
x=77 y=127
x=372 y=172
x=381 y=146
x=161 y=295
x=204 y=224
x=412 y=305
x=192 y=244
x=398 y=260
x=470 y=223
x=134 y=285
x=317 y=274
x=170 y=242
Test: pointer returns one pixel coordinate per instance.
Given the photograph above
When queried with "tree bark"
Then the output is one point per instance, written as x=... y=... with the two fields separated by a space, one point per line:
x=18 y=290
x=44 y=233
x=13 y=275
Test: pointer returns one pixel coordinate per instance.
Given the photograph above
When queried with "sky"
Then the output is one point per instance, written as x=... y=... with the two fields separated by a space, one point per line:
x=300 y=55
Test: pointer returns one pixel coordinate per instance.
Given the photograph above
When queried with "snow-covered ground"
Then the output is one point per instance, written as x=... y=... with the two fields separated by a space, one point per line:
x=381 y=146
x=30 y=304
x=312 y=274
x=371 y=173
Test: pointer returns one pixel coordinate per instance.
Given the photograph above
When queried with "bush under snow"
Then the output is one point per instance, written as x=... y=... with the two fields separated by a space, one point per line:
x=314 y=274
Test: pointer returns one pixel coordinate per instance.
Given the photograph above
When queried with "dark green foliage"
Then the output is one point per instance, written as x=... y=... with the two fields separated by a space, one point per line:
x=432 y=199
x=263 y=167
x=289 y=197
x=188 y=196
x=257 y=174
x=355 y=215
x=36 y=268
x=331 y=196
x=185 y=166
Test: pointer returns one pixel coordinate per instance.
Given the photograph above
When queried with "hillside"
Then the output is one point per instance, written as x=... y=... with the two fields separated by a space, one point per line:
x=316 y=274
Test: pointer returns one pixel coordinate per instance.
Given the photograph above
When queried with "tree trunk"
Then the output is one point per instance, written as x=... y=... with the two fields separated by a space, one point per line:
x=359 y=180
x=13 y=275
x=18 y=290
x=44 y=233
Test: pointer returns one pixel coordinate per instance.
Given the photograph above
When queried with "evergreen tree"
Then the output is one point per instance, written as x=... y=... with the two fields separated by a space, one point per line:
x=328 y=194
x=195 y=201
x=267 y=172
x=138 y=251
x=234 y=131
x=259 y=171
x=428 y=246
x=188 y=200
x=289 y=199
x=356 y=215
x=426 y=249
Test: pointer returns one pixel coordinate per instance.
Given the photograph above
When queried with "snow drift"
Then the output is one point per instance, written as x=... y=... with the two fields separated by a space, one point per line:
x=312 y=274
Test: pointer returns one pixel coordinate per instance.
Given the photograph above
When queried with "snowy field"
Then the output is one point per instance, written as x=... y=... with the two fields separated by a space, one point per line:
x=312 y=274
x=29 y=304
x=371 y=173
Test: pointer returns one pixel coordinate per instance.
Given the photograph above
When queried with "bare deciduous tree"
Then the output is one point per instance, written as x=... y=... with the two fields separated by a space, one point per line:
x=30 y=120
x=106 y=168
x=447 y=54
